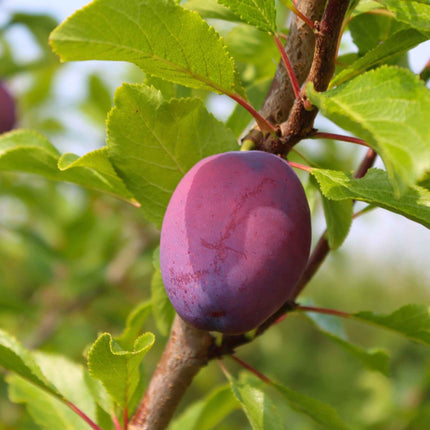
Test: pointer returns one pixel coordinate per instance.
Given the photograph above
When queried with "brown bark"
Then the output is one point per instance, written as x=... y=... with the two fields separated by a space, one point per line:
x=300 y=48
x=301 y=119
x=186 y=352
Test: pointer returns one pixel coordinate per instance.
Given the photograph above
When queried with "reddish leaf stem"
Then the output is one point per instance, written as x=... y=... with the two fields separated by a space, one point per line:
x=85 y=417
x=288 y=66
x=323 y=311
x=304 y=18
x=366 y=164
x=253 y=370
x=263 y=124
x=125 y=418
x=340 y=137
x=116 y=422
x=300 y=166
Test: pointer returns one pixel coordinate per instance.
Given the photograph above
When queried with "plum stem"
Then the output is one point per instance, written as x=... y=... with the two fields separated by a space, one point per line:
x=247 y=145
x=253 y=370
x=341 y=137
x=323 y=311
x=288 y=66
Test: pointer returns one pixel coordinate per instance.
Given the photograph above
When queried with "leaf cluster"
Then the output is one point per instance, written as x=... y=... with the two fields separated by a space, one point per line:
x=156 y=131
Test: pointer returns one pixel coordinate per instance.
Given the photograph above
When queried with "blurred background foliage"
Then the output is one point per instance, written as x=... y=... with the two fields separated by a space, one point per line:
x=74 y=263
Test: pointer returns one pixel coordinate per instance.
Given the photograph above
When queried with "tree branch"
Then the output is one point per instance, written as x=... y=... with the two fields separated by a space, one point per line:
x=186 y=352
x=299 y=47
x=300 y=50
x=301 y=120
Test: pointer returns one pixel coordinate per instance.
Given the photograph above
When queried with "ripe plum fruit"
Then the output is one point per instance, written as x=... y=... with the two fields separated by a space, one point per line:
x=235 y=240
x=7 y=110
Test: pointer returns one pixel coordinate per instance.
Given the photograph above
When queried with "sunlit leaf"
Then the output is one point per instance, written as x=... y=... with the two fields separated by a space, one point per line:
x=375 y=188
x=412 y=321
x=30 y=152
x=160 y=37
x=117 y=368
x=260 y=13
x=389 y=108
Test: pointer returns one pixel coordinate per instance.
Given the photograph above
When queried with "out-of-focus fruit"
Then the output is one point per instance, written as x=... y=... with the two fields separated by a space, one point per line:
x=7 y=110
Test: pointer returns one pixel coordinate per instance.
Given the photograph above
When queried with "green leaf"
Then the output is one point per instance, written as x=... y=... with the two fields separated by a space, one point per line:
x=338 y=215
x=99 y=100
x=425 y=182
x=116 y=368
x=375 y=188
x=388 y=108
x=412 y=321
x=368 y=31
x=162 y=38
x=211 y=9
x=259 y=13
x=43 y=382
x=396 y=44
x=318 y=411
x=164 y=313
x=254 y=53
x=166 y=88
x=15 y=358
x=332 y=327
x=365 y=6
x=206 y=414
x=30 y=152
x=160 y=143
x=412 y=13
x=69 y=380
x=98 y=392
x=134 y=324
x=47 y=411
x=258 y=407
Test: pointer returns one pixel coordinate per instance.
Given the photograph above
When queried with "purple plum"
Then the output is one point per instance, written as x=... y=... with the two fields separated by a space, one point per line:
x=7 y=110
x=235 y=240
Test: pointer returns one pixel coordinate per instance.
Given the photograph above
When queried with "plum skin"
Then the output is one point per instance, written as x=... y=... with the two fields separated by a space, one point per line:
x=7 y=110
x=235 y=240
